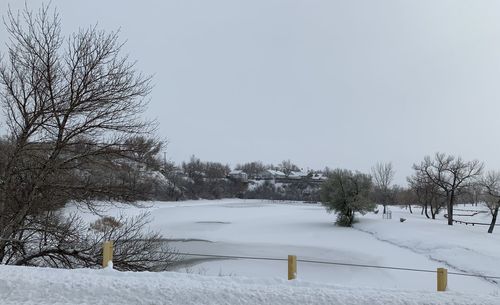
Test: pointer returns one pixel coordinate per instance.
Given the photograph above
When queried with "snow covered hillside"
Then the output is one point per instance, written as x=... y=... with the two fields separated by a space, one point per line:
x=42 y=286
x=266 y=229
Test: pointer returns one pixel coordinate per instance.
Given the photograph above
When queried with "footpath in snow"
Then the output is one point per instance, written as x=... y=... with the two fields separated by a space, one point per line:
x=43 y=286
x=463 y=248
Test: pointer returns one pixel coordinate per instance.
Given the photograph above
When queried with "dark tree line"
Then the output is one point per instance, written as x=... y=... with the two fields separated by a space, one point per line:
x=296 y=191
x=209 y=180
x=442 y=181
x=197 y=179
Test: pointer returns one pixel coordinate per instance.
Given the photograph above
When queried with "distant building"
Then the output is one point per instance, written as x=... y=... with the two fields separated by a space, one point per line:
x=299 y=175
x=279 y=176
x=270 y=174
x=319 y=177
x=238 y=175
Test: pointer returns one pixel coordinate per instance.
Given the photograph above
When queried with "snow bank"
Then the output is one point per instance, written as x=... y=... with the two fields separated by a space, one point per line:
x=25 y=285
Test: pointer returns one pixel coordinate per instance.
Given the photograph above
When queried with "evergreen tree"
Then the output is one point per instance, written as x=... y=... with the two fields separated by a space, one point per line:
x=346 y=193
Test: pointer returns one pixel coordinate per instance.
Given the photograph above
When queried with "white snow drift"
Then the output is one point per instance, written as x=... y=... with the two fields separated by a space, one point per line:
x=42 y=286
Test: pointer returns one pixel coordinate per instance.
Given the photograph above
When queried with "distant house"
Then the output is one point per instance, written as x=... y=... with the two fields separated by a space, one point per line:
x=238 y=175
x=279 y=176
x=319 y=177
x=299 y=175
x=270 y=174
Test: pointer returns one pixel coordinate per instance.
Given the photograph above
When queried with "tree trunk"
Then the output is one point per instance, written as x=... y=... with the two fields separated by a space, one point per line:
x=350 y=215
x=433 y=213
x=426 y=211
x=450 y=208
x=494 y=218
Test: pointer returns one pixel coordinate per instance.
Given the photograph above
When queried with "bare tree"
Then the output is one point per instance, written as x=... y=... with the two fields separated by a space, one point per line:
x=72 y=107
x=194 y=169
x=144 y=150
x=404 y=196
x=471 y=193
x=55 y=240
x=287 y=167
x=177 y=184
x=427 y=193
x=216 y=170
x=252 y=169
x=450 y=174
x=383 y=174
x=491 y=184
x=209 y=180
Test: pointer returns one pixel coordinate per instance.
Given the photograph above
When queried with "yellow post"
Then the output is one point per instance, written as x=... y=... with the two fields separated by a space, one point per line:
x=292 y=267
x=442 y=279
x=107 y=253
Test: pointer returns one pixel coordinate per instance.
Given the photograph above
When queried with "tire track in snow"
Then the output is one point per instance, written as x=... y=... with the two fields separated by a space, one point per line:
x=429 y=256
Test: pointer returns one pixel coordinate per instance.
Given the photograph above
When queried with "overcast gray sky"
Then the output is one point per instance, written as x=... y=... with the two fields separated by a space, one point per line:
x=320 y=82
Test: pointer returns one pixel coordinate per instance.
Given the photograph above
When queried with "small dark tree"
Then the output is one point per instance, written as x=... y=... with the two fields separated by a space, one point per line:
x=346 y=193
x=491 y=184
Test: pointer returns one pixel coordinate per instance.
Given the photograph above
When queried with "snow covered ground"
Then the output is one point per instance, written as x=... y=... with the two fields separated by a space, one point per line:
x=464 y=248
x=43 y=286
x=266 y=229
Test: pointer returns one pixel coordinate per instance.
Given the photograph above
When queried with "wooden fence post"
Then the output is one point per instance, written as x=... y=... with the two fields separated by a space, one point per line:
x=442 y=279
x=107 y=253
x=292 y=267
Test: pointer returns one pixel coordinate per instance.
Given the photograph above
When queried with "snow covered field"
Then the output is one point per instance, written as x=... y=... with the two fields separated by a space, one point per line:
x=268 y=229
x=265 y=229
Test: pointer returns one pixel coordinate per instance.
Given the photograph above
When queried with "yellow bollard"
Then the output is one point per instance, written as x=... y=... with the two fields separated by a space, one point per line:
x=442 y=279
x=107 y=253
x=292 y=267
